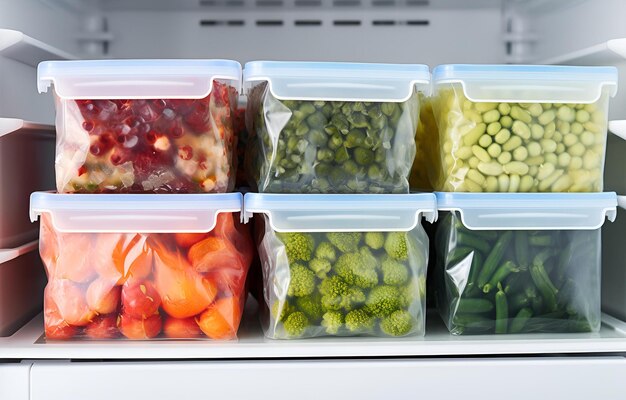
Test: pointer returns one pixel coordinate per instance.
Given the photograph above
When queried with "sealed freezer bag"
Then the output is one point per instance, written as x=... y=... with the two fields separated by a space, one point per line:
x=426 y=170
x=522 y=128
x=320 y=282
x=517 y=280
x=319 y=131
x=136 y=285
x=151 y=136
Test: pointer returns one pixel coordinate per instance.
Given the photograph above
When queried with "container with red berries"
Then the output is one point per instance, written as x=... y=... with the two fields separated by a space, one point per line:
x=160 y=266
x=144 y=126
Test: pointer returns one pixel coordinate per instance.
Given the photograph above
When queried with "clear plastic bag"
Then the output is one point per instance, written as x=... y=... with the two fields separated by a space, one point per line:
x=147 y=145
x=519 y=147
x=343 y=283
x=304 y=146
x=145 y=285
x=520 y=281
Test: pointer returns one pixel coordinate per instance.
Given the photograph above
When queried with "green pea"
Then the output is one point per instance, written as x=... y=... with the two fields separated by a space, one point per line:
x=363 y=156
x=520 y=154
x=492 y=168
x=307 y=108
x=485 y=107
x=317 y=137
x=506 y=122
x=503 y=136
x=513 y=143
x=355 y=138
x=504 y=157
x=566 y=114
x=535 y=110
x=549 y=146
x=546 y=117
x=474 y=134
x=536 y=131
x=582 y=116
x=587 y=138
x=521 y=129
x=577 y=128
x=485 y=140
x=491 y=116
x=493 y=128
x=504 y=109
x=325 y=155
x=335 y=141
x=388 y=108
x=521 y=114
x=494 y=150
x=534 y=149
x=476 y=176
x=481 y=154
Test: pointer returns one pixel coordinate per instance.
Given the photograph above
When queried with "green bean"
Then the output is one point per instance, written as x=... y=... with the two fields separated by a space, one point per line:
x=522 y=317
x=502 y=311
x=474 y=242
x=474 y=306
x=502 y=272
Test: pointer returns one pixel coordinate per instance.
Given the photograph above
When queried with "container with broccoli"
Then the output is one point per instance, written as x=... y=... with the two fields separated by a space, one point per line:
x=333 y=127
x=521 y=128
x=332 y=266
x=520 y=263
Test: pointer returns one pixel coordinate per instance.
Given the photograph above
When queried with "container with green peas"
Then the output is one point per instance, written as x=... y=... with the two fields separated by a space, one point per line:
x=512 y=128
x=333 y=127
x=520 y=263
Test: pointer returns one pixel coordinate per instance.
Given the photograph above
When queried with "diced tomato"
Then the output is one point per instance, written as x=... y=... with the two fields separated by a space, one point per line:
x=70 y=300
x=140 y=299
x=103 y=297
x=132 y=260
x=48 y=244
x=134 y=328
x=183 y=291
x=221 y=319
x=103 y=327
x=176 y=328
x=75 y=261
x=189 y=239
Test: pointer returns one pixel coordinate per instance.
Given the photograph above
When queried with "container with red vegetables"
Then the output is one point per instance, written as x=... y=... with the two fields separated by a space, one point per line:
x=144 y=126
x=143 y=267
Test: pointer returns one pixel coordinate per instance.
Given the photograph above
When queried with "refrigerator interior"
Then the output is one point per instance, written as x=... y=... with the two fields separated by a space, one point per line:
x=576 y=32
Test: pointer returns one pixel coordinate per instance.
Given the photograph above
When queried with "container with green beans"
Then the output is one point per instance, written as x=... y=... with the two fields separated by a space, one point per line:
x=522 y=128
x=520 y=264
x=332 y=127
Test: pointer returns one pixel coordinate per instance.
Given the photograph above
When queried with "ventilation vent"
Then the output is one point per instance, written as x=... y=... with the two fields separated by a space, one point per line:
x=307 y=22
x=314 y=22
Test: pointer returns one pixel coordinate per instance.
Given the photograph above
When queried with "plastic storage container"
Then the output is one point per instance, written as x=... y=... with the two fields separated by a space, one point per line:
x=516 y=128
x=333 y=127
x=163 y=126
x=142 y=266
x=21 y=286
x=26 y=157
x=342 y=265
x=514 y=263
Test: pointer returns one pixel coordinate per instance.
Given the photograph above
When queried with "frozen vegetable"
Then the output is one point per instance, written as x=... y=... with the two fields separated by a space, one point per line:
x=344 y=283
x=147 y=145
x=517 y=281
x=142 y=286
x=330 y=146
x=519 y=147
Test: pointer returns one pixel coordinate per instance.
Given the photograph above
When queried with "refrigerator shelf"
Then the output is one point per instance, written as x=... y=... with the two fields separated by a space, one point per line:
x=29 y=343
x=605 y=53
x=618 y=128
x=27 y=50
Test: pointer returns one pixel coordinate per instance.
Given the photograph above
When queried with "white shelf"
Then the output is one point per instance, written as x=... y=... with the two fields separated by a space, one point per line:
x=28 y=343
x=20 y=47
x=618 y=128
x=10 y=125
x=606 y=53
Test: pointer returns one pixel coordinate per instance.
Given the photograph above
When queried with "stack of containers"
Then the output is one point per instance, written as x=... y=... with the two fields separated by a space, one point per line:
x=142 y=240
x=523 y=255
x=341 y=244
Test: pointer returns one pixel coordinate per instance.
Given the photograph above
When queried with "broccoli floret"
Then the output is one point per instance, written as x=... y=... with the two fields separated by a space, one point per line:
x=299 y=246
x=375 y=240
x=332 y=321
x=394 y=272
x=383 y=300
x=399 y=323
x=346 y=242
x=358 y=268
x=326 y=251
x=281 y=309
x=333 y=290
x=353 y=298
x=301 y=282
x=396 y=245
x=359 y=321
x=320 y=266
x=295 y=324
x=311 y=306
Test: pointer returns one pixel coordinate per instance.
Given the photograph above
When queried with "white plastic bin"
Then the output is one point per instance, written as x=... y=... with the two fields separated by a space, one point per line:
x=520 y=128
x=26 y=162
x=333 y=127
x=143 y=267
x=520 y=263
x=343 y=265
x=163 y=126
x=21 y=286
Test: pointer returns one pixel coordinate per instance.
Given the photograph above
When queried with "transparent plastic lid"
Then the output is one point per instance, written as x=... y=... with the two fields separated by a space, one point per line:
x=529 y=83
x=525 y=211
x=136 y=79
x=338 y=81
x=191 y=213
x=342 y=212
